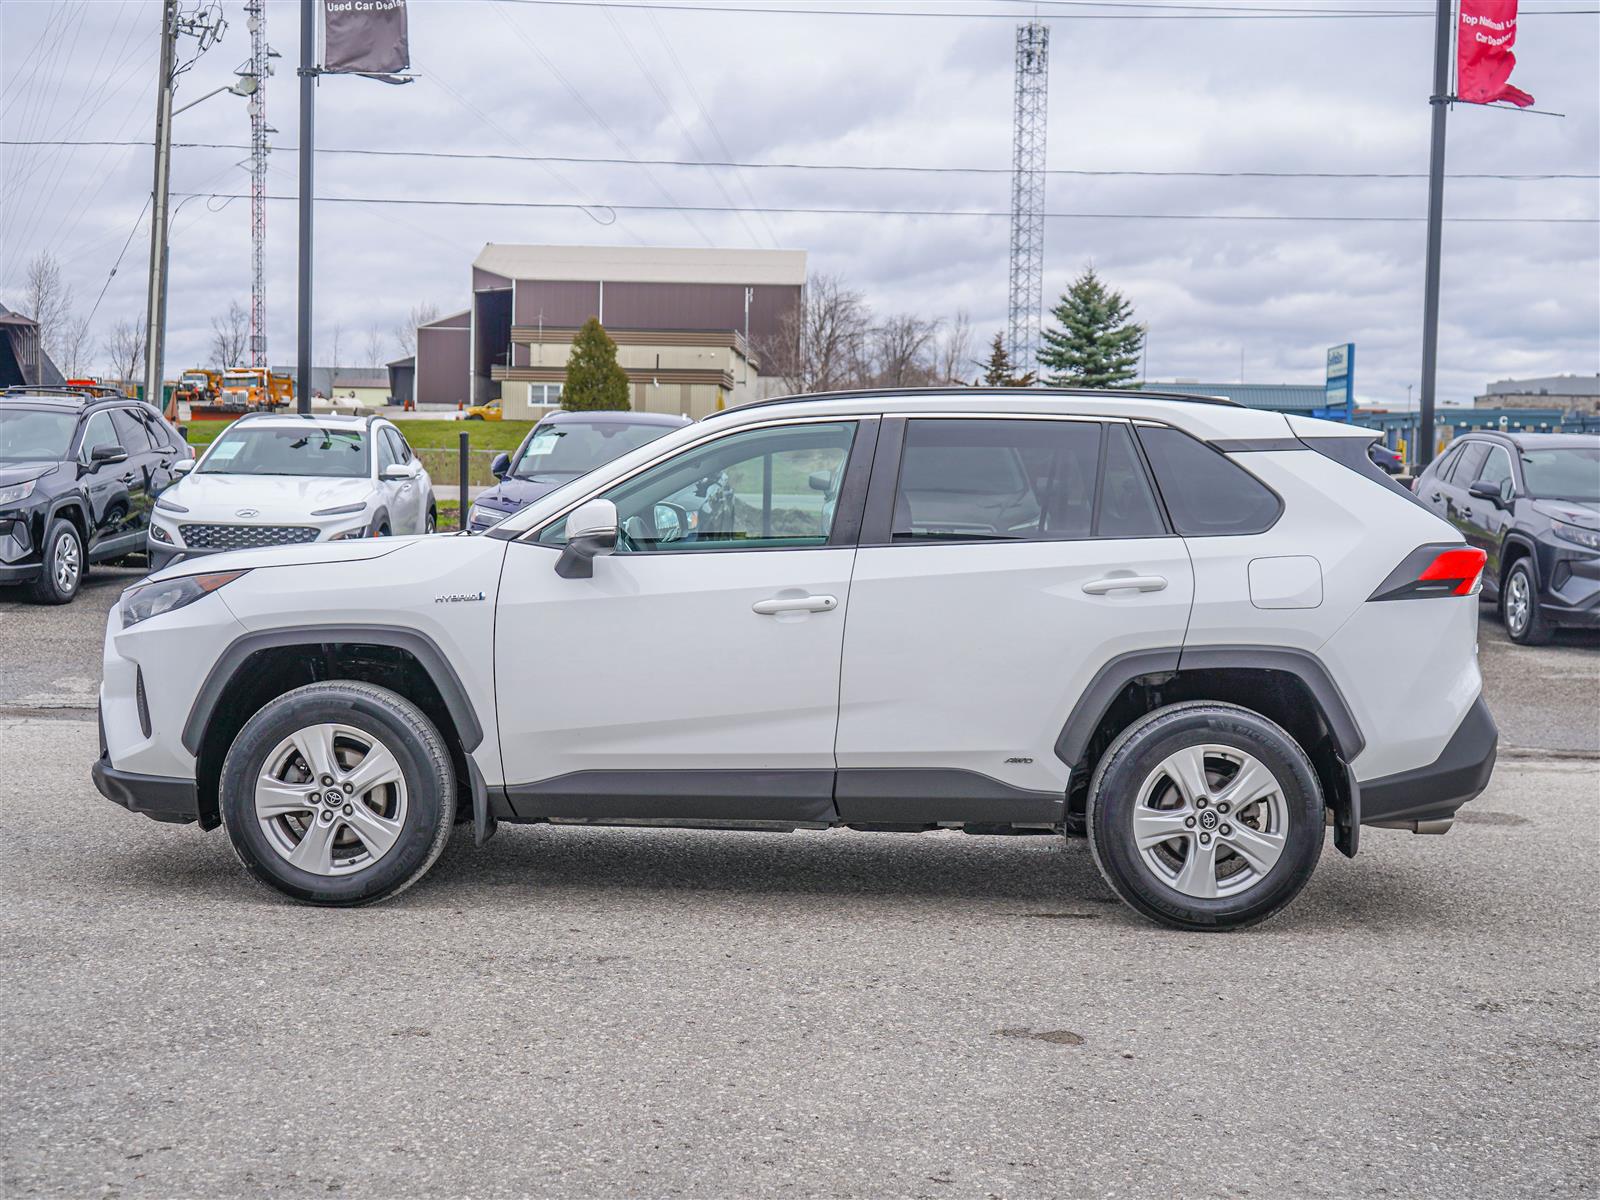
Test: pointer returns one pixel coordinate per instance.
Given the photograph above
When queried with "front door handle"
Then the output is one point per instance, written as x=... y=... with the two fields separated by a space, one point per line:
x=789 y=604
x=1117 y=583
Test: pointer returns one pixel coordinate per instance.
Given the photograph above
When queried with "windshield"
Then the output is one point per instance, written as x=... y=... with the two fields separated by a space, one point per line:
x=336 y=453
x=195 y=377
x=573 y=447
x=1563 y=473
x=239 y=379
x=31 y=433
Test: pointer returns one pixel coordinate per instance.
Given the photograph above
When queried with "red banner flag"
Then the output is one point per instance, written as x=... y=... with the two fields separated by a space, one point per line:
x=1486 y=31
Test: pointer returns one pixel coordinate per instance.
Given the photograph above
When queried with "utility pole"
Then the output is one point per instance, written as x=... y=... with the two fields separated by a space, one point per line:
x=155 y=298
x=308 y=100
x=1440 y=102
x=261 y=66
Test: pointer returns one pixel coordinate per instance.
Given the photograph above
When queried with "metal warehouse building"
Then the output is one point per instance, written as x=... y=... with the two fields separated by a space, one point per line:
x=686 y=323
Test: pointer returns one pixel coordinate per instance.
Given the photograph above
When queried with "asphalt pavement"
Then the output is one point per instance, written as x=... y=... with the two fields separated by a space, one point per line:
x=574 y=1012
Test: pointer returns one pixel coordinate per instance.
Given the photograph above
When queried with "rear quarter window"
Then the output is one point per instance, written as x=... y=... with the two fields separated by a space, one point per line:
x=1206 y=493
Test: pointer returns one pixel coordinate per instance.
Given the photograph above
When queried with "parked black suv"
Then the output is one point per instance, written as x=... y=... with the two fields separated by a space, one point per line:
x=79 y=473
x=1531 y=502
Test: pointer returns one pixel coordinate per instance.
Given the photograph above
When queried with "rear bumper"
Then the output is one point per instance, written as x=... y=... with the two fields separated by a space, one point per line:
x=1436 y=791
x=172 y=800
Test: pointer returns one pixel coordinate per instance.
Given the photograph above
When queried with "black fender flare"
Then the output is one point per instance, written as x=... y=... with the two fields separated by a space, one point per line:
x=423 y=648
x=1530 y=551
x=1073 y=742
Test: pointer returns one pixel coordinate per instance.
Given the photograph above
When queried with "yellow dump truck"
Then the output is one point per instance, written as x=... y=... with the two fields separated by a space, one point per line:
x=247 y=389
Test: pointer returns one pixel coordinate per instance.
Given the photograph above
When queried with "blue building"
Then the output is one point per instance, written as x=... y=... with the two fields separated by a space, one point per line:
x=1306 y=399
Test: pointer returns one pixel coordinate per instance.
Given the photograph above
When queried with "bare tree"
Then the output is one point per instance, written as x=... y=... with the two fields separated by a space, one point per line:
x=955 y=349
x=335 y=337
x=406 y=332
x=124 y=351
x=822 y=343
x=377 y=344
x=230 y=336
x=74 y=358
x=49 y=301
x=902 y=350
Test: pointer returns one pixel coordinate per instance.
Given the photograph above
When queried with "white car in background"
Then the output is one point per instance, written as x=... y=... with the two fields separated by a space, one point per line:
x=283 y=480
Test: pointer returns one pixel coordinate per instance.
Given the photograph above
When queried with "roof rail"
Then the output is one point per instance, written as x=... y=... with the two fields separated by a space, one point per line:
x=56 y=389
x=961 y=390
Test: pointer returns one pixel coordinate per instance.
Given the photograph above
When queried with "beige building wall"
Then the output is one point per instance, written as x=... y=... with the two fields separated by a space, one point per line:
x=689 y=380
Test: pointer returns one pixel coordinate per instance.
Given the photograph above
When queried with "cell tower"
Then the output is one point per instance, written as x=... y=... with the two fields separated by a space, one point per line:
x=261 y=67
x=1027 y=193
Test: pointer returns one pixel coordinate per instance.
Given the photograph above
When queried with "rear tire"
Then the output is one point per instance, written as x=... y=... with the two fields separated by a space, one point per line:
x=1205 y=816
x=64 y=565
x=1519 y=607
x=338 y=793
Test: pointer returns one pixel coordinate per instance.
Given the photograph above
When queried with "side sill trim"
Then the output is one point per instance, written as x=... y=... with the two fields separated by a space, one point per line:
x=421 y=645
x=893 y=795
x=707 y=795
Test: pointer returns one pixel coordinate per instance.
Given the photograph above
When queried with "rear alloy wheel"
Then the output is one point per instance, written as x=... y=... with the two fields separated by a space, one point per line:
x=1205 y=816
x=338 y=793
x=1519 y=607
x=431 y=524
x=63 y=565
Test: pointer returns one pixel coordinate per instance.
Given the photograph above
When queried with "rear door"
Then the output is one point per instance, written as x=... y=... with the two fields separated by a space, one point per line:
x=1003 y=562
x=144 y=460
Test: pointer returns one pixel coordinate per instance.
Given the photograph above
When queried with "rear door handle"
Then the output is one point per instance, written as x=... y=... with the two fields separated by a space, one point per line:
x=1117 y=583
x=788 y=604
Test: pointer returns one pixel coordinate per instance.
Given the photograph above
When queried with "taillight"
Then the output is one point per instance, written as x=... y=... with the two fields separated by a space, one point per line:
x=1437 y=570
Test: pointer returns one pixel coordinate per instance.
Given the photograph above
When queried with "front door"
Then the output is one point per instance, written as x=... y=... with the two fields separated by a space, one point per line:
x=696 y=674
x=1484 y=522
x=118 y=497
x=1002 y=564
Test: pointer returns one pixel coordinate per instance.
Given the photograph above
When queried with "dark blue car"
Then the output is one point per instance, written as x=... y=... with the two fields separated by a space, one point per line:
x=557 y=450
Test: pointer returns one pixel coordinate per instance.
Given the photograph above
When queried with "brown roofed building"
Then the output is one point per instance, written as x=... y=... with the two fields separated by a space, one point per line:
x=685 y=321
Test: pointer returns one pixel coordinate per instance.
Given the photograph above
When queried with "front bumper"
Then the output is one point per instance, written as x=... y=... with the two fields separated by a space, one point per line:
x=19 y=552
x=175 y=801
x=1571 y=597
x=1436 y=791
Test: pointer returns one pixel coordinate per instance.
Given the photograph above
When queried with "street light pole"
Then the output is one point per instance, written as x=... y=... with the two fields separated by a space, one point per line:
x=155 y=299
x=1440 y=101
x=308 y=100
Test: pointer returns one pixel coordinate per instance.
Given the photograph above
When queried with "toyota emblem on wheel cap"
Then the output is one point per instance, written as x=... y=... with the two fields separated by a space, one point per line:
x=247 y=512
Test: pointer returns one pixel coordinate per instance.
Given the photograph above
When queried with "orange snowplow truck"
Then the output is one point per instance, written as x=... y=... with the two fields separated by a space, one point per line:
x=248 y=389
x=198 y=385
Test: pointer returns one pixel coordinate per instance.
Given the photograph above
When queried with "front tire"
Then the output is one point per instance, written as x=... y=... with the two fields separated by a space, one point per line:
x=64 y=564
x=1205 y=816
x=1519 y=606
x=338 y=793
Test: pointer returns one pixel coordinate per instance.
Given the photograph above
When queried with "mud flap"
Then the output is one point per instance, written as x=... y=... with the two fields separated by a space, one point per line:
x=1347 y=814
x=483 y=821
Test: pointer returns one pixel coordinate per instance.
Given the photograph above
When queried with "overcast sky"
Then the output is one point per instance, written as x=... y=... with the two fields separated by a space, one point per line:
x=1182 y=89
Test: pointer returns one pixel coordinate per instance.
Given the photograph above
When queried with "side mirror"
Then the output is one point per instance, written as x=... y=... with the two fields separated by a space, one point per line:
x=591 y=532
x=1484 y=490
x=107 y=454
x=820 y=481
x=501 y=466
x=399 y=473
x=183 y=466
x=671 y=521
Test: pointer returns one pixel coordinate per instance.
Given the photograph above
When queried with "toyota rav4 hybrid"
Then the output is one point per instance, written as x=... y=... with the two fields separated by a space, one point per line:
x=284 y=480
x=1164 y=624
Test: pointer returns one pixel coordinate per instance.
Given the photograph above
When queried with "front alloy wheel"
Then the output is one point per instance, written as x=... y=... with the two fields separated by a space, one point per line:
x=338 y=793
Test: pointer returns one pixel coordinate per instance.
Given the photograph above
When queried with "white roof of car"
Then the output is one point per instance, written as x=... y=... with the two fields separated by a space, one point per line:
x=292 y=420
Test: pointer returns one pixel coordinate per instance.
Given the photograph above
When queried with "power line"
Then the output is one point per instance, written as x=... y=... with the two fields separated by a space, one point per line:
x=917 y=212
x=860 y=168
x=1164 y=12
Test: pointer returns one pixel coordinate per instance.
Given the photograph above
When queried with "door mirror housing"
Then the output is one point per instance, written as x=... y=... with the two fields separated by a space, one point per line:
x=1496 y=493
x=183 y=466
x=591 y=532
x=501 y=466
x=399 y=473
x=103 y=454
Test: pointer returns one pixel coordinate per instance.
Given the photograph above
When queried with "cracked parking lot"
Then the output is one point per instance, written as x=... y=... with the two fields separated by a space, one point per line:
x=618 y=1012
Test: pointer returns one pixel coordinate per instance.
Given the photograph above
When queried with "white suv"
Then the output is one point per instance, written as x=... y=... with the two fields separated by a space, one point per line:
x=1169 y=625
x=274 y=479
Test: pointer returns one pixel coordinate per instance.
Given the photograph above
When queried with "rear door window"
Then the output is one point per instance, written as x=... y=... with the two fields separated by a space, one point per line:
x=1470 y=463
x=131 y=431
x=1207 y=493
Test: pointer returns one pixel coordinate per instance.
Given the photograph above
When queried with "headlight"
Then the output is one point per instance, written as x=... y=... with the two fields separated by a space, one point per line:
x=166 y=505
x=340 y=511
x=158 y=534
x=479 y=513
x=1587 y=538
x=152 y=599
x=15 y=492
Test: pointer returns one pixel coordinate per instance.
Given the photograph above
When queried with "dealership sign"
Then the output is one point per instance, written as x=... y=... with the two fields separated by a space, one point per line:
x=365 y=37
x=1341 y=376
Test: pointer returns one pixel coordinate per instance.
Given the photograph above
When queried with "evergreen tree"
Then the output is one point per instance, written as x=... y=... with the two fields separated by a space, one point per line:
x=998 y=371
x=1097 y=344
x=594 y=380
